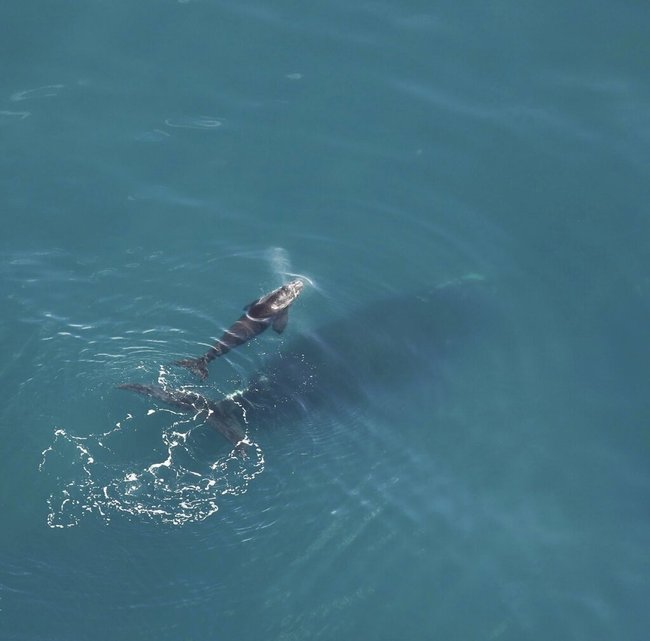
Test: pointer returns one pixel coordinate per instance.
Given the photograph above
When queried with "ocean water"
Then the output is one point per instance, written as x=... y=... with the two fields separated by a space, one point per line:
x=454 y=443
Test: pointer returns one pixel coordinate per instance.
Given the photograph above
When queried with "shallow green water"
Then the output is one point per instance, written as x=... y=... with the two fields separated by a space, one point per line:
x=463 y=450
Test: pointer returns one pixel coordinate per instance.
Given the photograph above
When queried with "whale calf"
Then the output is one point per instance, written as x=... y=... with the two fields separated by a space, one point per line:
x=272 y=309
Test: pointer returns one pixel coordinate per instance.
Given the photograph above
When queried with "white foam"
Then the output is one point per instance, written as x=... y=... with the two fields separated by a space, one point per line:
x=176 y=490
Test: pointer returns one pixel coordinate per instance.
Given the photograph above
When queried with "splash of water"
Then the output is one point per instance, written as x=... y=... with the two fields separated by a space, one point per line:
x=181 y=488
x=280 y=264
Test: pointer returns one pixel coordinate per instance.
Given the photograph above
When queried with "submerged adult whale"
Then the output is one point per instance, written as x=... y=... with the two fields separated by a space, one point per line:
x=223 y=416
x=272 y=309
x=351 y=361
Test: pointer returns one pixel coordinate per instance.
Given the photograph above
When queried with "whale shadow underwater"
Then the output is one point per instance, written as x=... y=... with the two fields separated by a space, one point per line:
x=347 y=362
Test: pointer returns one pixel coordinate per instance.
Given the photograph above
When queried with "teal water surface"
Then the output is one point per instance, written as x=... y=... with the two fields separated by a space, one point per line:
x=455 y=441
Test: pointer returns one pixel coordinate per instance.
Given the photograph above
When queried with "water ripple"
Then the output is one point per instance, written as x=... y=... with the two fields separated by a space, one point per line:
x=13 y=116
x=194 y=122
x=46 y=91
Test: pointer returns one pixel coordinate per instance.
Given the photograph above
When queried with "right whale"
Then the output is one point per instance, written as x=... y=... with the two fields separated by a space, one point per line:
x=223 y=416
x=380 y=346
x=272 y=309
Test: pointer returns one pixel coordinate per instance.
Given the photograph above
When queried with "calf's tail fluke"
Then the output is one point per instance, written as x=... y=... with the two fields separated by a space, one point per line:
x=197 y=366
